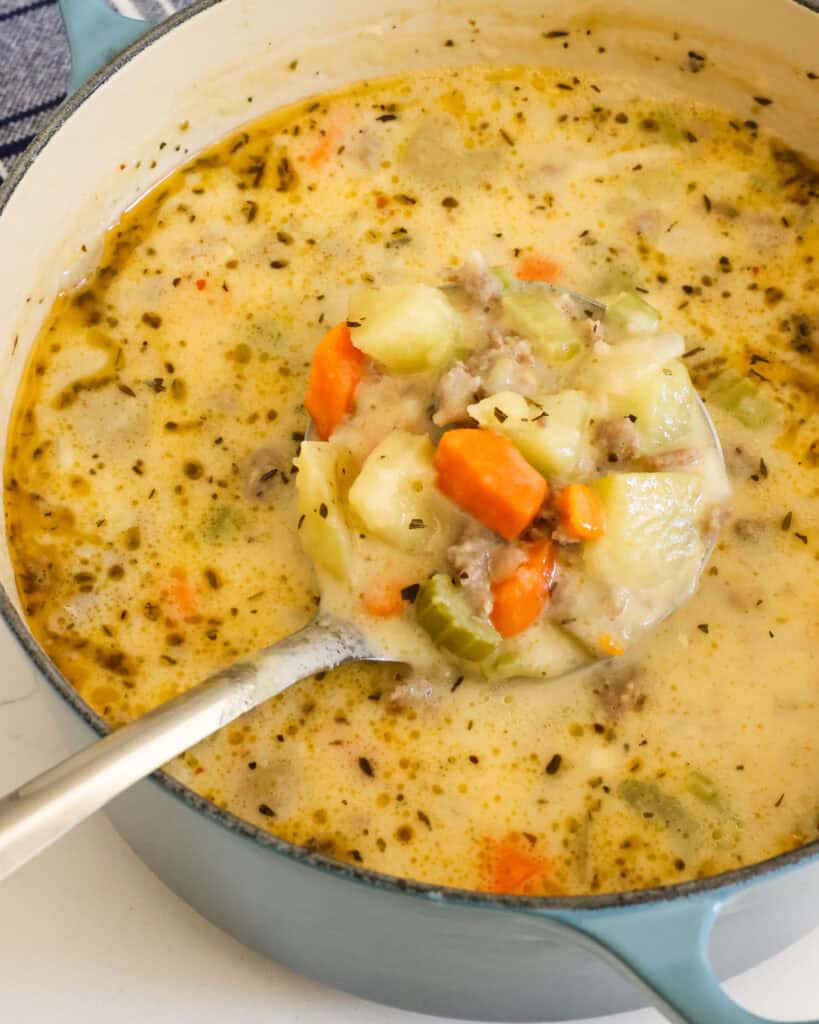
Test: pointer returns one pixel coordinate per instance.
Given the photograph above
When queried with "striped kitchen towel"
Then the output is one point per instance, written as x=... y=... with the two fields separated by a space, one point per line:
x=35 y=64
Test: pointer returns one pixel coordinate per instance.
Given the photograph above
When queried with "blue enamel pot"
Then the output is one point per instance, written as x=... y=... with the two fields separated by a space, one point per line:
x=441 y=951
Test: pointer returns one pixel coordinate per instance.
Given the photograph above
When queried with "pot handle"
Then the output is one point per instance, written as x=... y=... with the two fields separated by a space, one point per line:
x=664 y=948
x=96 y=34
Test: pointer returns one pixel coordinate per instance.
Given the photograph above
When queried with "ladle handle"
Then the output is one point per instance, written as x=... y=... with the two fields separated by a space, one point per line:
x=45 y=808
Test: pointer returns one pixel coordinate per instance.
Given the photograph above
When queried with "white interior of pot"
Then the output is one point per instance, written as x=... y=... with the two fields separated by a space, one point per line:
x=232 y=62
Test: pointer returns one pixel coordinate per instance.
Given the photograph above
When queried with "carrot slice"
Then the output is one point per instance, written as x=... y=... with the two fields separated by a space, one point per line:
x=183 y=594
x=337 y=368
x=522 y=596
x=610 y=646
x=486 y=476
x=538 y=268
x=335 y=128
x=385 y=601
x=510 y=865
x=581 y=513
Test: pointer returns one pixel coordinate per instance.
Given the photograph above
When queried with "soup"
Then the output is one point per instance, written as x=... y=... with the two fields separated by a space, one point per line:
x=151 y=498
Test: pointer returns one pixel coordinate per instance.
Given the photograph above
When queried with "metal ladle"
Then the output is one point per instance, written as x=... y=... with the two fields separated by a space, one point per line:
x=45 y=808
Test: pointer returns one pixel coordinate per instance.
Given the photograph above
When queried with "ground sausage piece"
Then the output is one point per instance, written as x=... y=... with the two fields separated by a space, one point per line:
x=472 y=560
x=750 y=529
x=619 y=439
x=456 y=390
x=680 y=458
x=261 y=473
x=477 y=280
x=714 y=519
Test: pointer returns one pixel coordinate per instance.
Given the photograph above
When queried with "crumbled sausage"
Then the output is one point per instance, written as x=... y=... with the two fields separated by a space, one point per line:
x=618 y=438
x=456 y=390
x=477 y=280
x=261 y=473
x=472 y=558
x=679 y=458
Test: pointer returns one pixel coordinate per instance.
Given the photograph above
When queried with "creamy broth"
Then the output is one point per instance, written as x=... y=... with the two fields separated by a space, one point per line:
x=153 y=543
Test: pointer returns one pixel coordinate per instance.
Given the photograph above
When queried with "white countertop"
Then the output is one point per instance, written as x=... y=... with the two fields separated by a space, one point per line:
x=89 y=935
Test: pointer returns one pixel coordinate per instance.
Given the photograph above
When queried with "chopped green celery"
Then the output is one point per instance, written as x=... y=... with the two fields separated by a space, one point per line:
x=742 y=399
x=699 y=785
x=441 y=610
x=408 y=328
x=529 y=310
x=611 y=280
x=651 y=530
x=220 y=521
x=395 y=496
x=660 y=406
x=555 y=443
x=618 y=368
x=504 y=276
x=632 y=313
x=541 y=652
x=648 y=799
x=325 y=471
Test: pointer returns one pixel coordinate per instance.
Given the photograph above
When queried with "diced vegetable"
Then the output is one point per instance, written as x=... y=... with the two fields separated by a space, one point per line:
x=632 y=313
x=538 y=268
x=618 y=369
x=442 y=611
x=699 y=785
x=183 y=594
x=648 y=799
x=651 y=532
x=530 y=311
x=396 y=498
x=221 y=521
x=486 y=476
x=384 y=600
x=660 y=405
x=511 y=865
x=337 y=368
x=336 y=126
x=613 y=279
x=609 y=646
x=540 y=653
x=325 y=471
x=503 y=275
x=518 y=599
x=742 y=399
x=552 y=434
x=407 y=328
x=581 y=513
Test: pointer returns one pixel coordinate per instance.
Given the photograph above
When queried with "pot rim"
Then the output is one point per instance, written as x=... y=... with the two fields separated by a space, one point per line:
x=226 y=819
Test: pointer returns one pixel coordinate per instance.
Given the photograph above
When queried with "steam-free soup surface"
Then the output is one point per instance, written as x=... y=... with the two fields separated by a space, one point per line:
x=150 y=491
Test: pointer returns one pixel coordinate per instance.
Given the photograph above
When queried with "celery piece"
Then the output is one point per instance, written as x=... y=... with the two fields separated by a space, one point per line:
x=660 y=405
x=649 y=800
x=324 y=473
x=651 y=530
x=441 y=610
x=699 y=785
x=407 y=328
x=504 y=276
x=552 y=434
x=529 y=310
x=632 y=313
x=613 y=279
x=541 y=652
x=221 y=521
x=395 y=496
x=742 y=399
